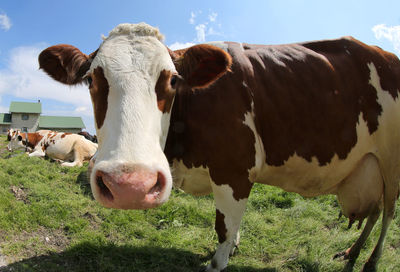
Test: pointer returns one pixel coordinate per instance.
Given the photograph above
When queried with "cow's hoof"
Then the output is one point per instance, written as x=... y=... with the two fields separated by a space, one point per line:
x=369 y=267
x=344 y=255
x=340 y=255
x=209 y=268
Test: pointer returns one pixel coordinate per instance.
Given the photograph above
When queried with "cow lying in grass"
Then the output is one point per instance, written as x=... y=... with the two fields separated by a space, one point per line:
x=70 y=149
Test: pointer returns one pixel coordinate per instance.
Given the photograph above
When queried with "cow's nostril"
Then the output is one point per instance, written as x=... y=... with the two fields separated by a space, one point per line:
x=158 y=187
x=103 y=188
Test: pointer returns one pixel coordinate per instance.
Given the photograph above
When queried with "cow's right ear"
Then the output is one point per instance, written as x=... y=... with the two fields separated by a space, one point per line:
x=64 y=63
x=201 y=65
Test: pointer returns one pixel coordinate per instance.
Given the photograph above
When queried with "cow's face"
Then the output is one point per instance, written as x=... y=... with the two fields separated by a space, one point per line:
x=132 y=79
x=15 y=141
x=10 y=133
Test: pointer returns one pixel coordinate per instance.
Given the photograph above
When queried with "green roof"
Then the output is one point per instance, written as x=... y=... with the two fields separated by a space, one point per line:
x=26 y=107
x=60 y=122
x=5 y=119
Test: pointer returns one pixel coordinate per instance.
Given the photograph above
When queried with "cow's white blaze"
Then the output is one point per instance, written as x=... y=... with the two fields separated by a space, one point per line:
x=132 y=58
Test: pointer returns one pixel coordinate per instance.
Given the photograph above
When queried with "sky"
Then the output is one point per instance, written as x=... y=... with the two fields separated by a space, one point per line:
x=28 y=27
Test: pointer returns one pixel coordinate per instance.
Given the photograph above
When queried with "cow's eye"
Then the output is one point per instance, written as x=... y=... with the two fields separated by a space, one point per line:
x=173 y=80
x=89 y=81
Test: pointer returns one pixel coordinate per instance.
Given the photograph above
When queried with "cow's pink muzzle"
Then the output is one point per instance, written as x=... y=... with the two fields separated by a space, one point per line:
x=130 y=188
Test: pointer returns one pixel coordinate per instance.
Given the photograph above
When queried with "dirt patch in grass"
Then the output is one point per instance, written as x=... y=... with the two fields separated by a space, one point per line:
x=20 y=193
x=38 y=242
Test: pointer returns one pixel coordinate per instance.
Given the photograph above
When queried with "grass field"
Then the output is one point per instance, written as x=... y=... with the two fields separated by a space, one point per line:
x=50 y=222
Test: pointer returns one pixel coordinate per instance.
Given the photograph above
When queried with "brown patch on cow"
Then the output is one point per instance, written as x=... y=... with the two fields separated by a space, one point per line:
x=99 y=93
x=164 y=91
x=201 y=65
x=33 y=139
x=64 y=63
x=45 y=146
x=65 y=134
x=220 y=227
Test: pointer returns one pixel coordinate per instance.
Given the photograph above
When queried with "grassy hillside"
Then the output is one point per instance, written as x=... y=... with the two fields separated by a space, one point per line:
x=50 y=222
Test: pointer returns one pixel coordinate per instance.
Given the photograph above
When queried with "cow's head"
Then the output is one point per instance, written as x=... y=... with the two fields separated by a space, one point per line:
x=15 y=141
x=132 y=79
x=10 y=133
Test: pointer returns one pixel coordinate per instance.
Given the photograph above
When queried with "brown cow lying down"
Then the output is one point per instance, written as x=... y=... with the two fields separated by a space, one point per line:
x=70 y=149
x=314 y=118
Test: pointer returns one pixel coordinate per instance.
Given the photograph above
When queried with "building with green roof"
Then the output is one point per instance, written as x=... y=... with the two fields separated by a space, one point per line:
x=61 y=123
x=26 y=107
x=5 y=121
x=26 y=116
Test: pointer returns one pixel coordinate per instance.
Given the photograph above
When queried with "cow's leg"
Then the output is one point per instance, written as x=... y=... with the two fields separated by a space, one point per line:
x=37 y=153
x=390 y=195
x=352 y=253
x=78 y=158
x=229 y=211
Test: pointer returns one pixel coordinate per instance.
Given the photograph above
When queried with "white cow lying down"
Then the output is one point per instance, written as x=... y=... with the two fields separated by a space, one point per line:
x=70 y=149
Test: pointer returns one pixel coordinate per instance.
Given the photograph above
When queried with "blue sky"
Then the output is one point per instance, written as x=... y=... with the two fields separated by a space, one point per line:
x=27 y=27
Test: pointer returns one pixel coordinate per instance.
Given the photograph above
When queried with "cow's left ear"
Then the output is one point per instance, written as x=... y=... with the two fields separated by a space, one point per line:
x=202 y=64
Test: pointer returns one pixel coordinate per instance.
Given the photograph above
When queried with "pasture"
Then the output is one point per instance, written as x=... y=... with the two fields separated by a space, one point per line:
x=50 y=222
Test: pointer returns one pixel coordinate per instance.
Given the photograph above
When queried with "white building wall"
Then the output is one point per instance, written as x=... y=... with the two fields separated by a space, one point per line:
x=31 y=124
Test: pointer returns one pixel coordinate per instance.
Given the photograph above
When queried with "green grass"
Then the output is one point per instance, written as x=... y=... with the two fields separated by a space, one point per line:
x=50 y=222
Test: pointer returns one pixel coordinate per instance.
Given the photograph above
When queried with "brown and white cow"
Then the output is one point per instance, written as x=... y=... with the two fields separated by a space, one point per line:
x=314 y=118
x=70 y=149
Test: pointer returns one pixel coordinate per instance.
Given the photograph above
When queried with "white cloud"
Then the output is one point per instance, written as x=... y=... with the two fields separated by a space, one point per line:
x=178 y=45
x=212 y=17
x=201 y=33
x=192 y=18
x=391 y=33
x=212 y=31
x=5 y=22
x=22 y=79
x=207 y=27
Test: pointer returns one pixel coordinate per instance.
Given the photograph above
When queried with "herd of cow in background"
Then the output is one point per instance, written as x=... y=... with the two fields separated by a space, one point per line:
x=69 y=149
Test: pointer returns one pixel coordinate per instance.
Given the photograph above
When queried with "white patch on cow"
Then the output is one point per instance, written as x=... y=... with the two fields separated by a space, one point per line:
x=193 y=180
x=388 y=132
x=233 y=211
x=258 y=145
x=165 y=121
x=219 y=44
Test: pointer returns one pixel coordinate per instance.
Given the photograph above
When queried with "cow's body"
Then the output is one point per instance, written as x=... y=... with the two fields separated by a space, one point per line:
x=89 y=137
x=312 y=118
x=70 y=149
